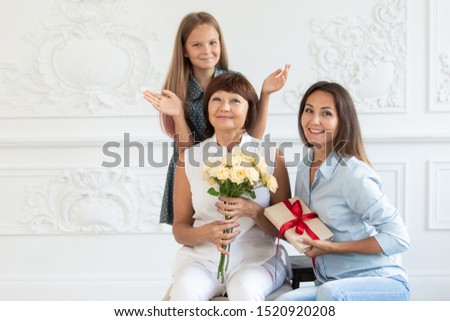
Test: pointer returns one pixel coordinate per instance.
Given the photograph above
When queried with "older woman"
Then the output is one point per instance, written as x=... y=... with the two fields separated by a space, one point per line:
x=230 y=106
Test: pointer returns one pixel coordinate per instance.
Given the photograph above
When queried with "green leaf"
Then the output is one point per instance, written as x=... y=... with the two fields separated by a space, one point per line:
x=250 y=194
x=213 y=192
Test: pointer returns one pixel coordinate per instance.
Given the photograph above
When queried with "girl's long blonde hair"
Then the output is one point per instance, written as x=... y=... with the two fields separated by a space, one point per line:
x=181 y=67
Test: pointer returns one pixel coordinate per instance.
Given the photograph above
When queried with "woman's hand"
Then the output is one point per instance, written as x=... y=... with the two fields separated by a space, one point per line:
x=275 y=81
x=166 y=103
x=318 y=247
x=216 y=233
x=365 y=246
x=238 y=207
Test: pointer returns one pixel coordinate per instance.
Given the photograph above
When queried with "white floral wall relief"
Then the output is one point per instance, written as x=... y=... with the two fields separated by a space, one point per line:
x=438 y=50
x=85 y=63
x=93 y=201
x=366 y=56
x=443 y=91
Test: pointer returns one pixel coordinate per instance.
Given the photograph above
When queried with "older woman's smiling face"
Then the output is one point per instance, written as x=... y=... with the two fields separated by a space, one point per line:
x=227 y=111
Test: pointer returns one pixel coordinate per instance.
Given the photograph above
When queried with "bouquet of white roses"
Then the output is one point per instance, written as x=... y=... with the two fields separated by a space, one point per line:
x=237 y=174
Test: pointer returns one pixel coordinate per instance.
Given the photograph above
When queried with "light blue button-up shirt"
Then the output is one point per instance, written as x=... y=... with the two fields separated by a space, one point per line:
x=347 y=196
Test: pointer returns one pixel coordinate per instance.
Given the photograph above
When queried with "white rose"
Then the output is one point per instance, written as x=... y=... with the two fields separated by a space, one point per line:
x=262 y=166
x=252 y=175
x=272 y=184
x=237 y=174
x=212 y=172
x=223 y=173
x=264 y=179
x=236 y=158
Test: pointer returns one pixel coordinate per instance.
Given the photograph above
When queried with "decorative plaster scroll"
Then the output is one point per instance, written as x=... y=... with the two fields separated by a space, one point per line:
x=90 y=10
x=366 y=56
x=439 y=62
x=89 y=65
x=93 y=201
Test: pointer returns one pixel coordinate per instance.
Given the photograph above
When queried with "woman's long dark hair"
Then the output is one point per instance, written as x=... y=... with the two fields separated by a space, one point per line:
x=348 y=141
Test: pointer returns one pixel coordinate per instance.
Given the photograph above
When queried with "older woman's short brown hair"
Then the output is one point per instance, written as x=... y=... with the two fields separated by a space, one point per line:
x=232 y=83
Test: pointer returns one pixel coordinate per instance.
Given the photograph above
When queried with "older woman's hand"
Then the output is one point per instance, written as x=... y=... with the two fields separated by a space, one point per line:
x=215 y=232
x=235 y=208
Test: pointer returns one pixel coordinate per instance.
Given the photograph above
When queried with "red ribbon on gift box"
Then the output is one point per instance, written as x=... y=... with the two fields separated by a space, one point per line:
x=298 y=222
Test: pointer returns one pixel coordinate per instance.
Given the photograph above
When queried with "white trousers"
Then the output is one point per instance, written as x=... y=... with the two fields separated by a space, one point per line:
x=194 y=282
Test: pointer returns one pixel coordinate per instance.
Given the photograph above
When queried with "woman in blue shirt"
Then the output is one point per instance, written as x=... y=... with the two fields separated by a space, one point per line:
x=336 y=181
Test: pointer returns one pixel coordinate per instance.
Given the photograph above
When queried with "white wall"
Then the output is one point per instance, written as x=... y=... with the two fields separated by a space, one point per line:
x=71 y=78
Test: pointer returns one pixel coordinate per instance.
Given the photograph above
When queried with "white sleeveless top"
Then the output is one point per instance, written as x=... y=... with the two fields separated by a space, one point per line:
x=252 y=246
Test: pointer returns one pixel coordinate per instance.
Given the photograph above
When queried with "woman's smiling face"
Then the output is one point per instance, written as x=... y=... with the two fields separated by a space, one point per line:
x=227 y=111
x=319 y=120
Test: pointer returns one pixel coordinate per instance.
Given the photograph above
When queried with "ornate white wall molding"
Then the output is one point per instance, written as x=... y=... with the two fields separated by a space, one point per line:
x=93 y=201
x=439 y=67
x=367 y=56
x=438 y=200
x=395 y=174
x=443 y=93
x=90 y=10
x=88 y=65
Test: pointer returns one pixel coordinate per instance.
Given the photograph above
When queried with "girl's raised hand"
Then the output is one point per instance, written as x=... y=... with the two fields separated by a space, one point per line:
x=276 y=80
x=166 y=103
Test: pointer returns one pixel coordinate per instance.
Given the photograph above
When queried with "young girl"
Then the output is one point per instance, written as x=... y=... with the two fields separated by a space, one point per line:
x=336 y=181
x=231 y=111
x=199 y=55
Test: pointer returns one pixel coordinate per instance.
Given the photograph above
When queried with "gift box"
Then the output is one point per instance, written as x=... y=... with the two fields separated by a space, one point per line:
x=295 y=220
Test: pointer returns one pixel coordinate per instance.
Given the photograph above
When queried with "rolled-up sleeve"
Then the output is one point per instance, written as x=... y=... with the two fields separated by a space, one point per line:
x=392 y=233
x=366 y=198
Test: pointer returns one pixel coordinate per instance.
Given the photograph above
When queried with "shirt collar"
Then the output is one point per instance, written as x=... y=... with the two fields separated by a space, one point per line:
x=328 y=167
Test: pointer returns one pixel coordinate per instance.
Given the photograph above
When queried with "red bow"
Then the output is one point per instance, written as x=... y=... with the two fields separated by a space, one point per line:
x=298 y=221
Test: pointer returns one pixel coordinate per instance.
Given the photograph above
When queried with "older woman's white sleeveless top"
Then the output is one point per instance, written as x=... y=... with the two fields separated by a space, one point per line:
x=252 y=246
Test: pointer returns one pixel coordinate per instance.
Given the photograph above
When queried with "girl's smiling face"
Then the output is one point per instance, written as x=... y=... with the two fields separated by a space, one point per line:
x=202 y=47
